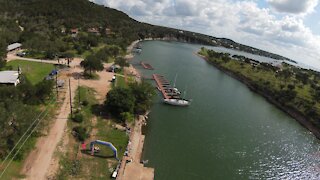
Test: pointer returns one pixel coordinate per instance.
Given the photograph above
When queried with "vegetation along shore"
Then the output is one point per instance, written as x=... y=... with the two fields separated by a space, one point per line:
x=292 y=89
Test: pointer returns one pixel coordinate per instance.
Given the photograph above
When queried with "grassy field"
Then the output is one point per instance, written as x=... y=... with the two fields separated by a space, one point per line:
x=120 y=82
x=34 y=71
x=81 y=165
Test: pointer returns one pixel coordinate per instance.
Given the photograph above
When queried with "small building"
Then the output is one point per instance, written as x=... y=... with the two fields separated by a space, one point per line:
x=63 y=30
x=94 y=31
x=14 y=47
x=108 y=31
x=9 y=78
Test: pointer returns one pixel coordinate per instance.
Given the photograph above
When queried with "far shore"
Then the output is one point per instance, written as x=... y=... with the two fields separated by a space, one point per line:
x=291 y=112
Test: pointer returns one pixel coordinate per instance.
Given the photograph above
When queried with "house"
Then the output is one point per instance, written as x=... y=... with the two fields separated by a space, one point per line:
x=9 y=78
x=14 y=46
x=74 y=32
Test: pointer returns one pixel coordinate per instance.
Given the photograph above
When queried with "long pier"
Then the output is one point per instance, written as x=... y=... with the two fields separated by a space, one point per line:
x=164 y=87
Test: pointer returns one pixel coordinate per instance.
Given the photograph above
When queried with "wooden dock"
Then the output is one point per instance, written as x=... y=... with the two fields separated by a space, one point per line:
x=160 y=83
x=164 y=87
x=146 y=65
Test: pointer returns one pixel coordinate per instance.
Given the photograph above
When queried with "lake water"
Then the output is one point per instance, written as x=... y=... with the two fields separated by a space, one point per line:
x=228 y=132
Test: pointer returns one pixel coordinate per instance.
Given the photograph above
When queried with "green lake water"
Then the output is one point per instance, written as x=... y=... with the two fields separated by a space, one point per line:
x=228 y=132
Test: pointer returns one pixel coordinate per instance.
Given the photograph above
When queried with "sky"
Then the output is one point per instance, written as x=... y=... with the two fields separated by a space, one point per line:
x=287 y=27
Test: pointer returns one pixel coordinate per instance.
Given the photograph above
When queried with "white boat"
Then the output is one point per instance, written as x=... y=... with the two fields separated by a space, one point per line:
x=177 y=102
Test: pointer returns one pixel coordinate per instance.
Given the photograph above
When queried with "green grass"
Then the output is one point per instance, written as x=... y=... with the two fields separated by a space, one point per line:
x=120 y=82
x=34 y=71
x=13 y=172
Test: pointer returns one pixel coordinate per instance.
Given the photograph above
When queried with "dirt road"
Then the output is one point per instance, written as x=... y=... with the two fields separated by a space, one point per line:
x=39 y=163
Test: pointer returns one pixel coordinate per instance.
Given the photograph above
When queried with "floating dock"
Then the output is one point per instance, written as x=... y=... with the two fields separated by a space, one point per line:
x=164 y=87
x=146 y=65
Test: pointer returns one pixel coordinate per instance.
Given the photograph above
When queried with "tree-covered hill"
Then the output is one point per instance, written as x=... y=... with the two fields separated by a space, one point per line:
x=44 y=25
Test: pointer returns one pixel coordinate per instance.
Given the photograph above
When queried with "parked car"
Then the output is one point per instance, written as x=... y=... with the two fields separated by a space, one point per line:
x=21 y=54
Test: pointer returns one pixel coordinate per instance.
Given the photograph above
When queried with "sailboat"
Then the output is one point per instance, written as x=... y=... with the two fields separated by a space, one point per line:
x=178 y=101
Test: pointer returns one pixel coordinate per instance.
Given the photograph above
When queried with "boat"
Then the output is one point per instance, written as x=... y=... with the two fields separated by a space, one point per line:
x=177 y=102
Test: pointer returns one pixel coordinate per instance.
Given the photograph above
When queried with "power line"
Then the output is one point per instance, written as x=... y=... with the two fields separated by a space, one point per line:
x=22 y=145
x=35 y=120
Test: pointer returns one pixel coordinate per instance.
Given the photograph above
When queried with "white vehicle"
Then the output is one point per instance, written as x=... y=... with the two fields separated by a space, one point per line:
x=114 y=174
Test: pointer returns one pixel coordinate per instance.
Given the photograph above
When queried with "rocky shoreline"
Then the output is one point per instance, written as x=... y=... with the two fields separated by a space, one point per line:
x=303 y=120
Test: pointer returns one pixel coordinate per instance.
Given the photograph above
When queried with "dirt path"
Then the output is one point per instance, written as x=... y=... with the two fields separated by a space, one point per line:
x=12 y=56
x=40 y=162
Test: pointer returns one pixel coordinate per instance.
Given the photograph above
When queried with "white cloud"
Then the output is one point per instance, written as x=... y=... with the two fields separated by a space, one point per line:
x=294 y=6
x=242 y=21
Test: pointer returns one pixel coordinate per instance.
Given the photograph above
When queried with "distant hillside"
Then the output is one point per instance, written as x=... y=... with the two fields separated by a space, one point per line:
x=48 y=21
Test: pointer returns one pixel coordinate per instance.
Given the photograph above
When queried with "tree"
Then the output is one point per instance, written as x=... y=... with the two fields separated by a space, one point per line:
x=122 y=62
x=120 y=100
x=92 y=64
x=114 y=51
x=102 y=54
x=3 y=53
x=143 y=93
x=44 y=89
x=302 y=76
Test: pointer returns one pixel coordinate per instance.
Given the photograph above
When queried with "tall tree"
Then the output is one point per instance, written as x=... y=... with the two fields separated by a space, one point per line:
x=2 y=53
x=143 y=93
x=92 y=64
x=120 y=100
x=122 y=62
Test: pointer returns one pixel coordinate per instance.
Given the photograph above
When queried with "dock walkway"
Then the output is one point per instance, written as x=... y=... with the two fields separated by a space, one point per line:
x=165 y=87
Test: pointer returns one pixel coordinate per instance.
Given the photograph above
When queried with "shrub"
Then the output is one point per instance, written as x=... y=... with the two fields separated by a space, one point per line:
x=78 y=118
x=85 y=103
x=80 y=133
x=126 y=117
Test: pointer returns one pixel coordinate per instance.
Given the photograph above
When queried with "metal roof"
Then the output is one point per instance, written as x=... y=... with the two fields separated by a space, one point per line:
x=13 y=46
x=9 y=77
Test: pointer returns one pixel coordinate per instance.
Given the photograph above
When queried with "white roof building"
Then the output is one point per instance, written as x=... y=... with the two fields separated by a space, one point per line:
x=9 y=77
x=14 y=46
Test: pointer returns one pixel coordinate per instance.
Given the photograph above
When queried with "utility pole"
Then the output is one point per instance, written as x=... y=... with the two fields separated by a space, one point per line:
x=70 y=98
x=57 y=83
x=79 y=89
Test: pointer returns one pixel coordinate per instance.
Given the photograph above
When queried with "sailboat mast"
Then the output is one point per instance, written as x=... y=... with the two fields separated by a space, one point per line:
x=175 y=79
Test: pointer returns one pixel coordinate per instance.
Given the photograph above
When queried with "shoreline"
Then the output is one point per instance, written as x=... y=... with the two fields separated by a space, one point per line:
x=132 y=166
x=300 y=118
